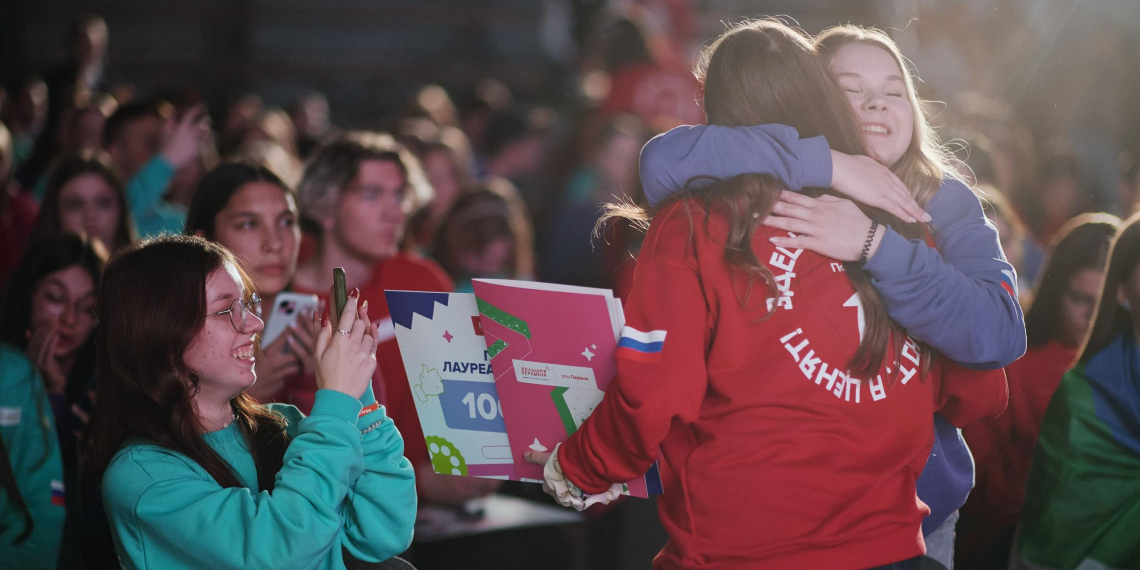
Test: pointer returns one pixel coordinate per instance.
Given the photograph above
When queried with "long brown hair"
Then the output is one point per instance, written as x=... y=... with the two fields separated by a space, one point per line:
x=1111 y=318
x=1083 y=244
x=763 y=72
x=151 y=306
x=926 y=162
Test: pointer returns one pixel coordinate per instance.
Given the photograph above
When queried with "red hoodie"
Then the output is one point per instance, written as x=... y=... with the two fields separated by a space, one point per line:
x=1003 y=453
x=772 y=455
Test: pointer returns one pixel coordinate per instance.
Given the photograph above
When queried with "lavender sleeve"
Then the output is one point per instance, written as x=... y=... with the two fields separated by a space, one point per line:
x=670 y=159
x=951 y=298
x=959 y=298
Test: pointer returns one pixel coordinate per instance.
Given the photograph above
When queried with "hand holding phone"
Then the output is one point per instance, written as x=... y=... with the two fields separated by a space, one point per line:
x=340 y=296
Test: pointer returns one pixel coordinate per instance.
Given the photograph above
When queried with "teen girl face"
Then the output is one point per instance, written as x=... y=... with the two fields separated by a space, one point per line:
x=65 y=299
x=1078 y=302
x=88 y=206
x=874 y=85
x=259 y=225
x=372 y=210
x=220 y=355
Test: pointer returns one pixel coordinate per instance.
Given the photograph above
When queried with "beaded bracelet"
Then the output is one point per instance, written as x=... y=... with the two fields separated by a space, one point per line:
x=371 y=427
x=867 y=245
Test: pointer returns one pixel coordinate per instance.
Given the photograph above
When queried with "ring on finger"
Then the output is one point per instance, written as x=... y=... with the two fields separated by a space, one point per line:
x=341 y=331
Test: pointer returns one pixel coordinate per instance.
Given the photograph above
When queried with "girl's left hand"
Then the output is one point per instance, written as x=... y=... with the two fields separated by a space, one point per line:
x=565 y=493
x=830 y=226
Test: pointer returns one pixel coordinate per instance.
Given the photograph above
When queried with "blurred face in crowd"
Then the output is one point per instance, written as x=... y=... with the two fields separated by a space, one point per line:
x=220 y=355
x=618 y=160
x=89 y=129
x=443 y=174
x=1060 y=196
x=1078 y=303
x=259 y=224
x=88 y=206
x=139 y=140
x=65 y=298
x=874 y=85
x=371 y=212
x=89 y=45
x=492 y=261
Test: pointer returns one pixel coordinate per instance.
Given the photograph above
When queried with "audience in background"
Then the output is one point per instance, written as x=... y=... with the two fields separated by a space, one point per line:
x=457 y=192
x=1056 y=325
x=486 y=234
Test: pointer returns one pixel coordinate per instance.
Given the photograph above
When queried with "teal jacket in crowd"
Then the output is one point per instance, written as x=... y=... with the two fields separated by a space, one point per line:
x=336 y=489
x=28 y=431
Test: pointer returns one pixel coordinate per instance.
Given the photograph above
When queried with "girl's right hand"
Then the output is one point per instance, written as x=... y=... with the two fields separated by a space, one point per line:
x=346 y=360
x=41 y=351
x=868 y=182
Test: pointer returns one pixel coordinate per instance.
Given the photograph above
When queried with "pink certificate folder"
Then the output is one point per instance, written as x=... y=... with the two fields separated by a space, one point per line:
x=552 y=354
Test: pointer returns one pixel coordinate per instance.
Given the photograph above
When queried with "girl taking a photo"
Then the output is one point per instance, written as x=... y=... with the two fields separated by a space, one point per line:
x=195 y=474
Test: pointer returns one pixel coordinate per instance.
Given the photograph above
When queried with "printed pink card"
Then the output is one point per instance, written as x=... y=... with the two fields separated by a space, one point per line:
x=552 y=354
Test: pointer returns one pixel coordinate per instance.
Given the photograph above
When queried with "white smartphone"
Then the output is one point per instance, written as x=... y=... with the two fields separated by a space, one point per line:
x=287 y=307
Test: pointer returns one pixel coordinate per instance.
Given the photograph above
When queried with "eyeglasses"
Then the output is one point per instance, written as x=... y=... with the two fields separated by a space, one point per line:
x=240 y=311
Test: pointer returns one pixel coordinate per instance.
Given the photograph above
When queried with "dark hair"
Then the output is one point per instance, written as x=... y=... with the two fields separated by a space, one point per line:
x=765 y=72
x=129 y=112
x=151 y=306
x=624 y=45
x=217 y=188
x=65 y=170
x=505 y=127
x=478 y=218
x=41 y=260
x=1111 y=319
x=1081 y=244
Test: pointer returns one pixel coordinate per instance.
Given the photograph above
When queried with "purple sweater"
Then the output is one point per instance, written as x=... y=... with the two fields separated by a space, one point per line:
x=952 y=297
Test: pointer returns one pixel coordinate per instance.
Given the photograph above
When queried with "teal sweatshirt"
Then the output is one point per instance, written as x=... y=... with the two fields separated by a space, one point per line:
x=28 y=431
x=336 y=489
x=153 y=215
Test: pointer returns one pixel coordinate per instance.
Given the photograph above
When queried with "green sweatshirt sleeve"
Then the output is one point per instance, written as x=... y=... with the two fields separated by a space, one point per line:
x=167 y=512
x=382 y=503
x=28 y=433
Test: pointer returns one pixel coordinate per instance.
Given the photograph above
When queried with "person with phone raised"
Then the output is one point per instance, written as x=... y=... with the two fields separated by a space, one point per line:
x=360 y=189
x=194 y=473
x=251 y=212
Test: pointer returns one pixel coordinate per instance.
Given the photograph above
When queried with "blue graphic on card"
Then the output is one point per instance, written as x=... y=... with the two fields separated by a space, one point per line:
x=453 y=388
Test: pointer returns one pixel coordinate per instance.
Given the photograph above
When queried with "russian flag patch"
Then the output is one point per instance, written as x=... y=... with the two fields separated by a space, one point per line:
x=640 y=346
x=57 y=497
x=1009 y=283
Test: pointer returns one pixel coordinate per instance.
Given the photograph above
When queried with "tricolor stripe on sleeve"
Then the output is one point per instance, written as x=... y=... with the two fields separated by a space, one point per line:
x=57 y=496
x=640 y=346
x=1009 y=282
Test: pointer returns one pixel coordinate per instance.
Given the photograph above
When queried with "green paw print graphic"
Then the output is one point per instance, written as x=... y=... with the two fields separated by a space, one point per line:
x=445 y=458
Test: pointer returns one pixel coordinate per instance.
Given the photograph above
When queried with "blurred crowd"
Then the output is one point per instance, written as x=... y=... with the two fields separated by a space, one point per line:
x=459 y=186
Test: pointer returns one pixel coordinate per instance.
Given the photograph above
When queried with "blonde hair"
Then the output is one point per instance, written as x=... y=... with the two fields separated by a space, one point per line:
x=334 y=166
x=926 y=162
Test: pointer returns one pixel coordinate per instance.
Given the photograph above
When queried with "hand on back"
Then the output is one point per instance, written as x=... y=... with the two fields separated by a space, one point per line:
x=868 y=182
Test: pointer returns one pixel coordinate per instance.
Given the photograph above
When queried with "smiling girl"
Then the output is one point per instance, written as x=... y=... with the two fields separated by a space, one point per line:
x=194 y=473
x=958 y=296
x=251 y=212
